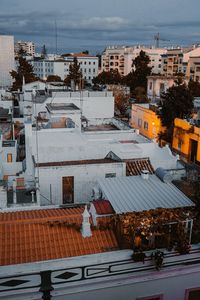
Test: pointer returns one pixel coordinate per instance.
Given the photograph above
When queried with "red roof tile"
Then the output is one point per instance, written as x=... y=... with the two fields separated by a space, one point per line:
x=29 y=236
x=103 y=207
x=135 y=166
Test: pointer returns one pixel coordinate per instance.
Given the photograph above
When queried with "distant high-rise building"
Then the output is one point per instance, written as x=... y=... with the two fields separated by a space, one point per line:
x=7 y=62
x=28 y=47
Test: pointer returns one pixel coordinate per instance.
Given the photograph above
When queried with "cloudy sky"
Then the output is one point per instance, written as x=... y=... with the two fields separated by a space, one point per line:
x=93 y=25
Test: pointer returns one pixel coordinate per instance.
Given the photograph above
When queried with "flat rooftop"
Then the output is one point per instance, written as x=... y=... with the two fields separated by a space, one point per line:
x=61 y=106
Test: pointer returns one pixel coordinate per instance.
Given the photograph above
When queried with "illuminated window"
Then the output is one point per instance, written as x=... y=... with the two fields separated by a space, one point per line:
x=9 y=157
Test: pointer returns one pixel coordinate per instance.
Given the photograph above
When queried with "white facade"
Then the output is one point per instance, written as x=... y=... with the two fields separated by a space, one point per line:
x=45 y=67
x=110 y=276
x=85 y=177
x=156 y=85
x=7 y=63
x=93 y=105
x=88 y=65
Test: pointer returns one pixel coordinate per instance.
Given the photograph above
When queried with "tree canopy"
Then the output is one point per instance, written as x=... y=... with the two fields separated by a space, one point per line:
x=24 y=70
x=177 y=102
x=194 y=87
x=75 y=73
x=109 y=77
x=54 y=78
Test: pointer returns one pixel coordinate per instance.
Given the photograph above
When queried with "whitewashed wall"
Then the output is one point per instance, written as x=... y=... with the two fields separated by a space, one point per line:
x=85 y=177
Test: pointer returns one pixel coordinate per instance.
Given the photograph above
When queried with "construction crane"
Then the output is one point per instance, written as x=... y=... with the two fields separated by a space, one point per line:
x=157 y=39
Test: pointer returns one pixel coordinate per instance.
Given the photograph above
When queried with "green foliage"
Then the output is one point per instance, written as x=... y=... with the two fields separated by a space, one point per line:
x=194 y=87
x=137 y=78
x=54 y=78
x=75 y=73
x=110 y=77
x=25 y=70
x=177 y=102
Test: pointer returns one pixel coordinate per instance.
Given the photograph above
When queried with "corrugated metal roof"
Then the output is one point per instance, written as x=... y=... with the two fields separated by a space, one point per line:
x=134 y=193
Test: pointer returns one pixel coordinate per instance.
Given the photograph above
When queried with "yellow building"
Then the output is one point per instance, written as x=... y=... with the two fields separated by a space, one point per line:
x=144 y=118
x=186 y=140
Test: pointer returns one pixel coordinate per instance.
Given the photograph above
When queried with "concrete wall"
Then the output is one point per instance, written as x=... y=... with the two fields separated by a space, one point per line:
x=85 y=177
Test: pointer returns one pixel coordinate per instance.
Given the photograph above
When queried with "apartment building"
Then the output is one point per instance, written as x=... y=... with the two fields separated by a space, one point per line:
x=7 y=62
x=60 y=66
x=28 y=47
x=121 y=58
x=181 y=60
x=89 y=64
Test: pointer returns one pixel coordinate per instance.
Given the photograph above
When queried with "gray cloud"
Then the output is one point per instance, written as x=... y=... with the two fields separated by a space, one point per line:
x=77 y=29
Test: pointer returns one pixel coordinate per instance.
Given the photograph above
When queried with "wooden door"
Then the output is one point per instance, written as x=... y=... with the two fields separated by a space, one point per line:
x=68 y=189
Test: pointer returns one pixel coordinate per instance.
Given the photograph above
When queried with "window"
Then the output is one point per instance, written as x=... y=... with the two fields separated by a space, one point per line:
x=94 y=70
x=146 y=125
x=150 y=85
x=110 y=175
x=140 y=122
x=192 y=294
x=93 y=62
x=89 y=62
x=9 y=157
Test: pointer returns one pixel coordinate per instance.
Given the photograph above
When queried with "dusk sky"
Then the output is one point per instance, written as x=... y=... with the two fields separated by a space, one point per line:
x=93 y=25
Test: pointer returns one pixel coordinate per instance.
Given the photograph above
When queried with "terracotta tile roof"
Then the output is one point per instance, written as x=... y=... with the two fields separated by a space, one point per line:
x=103 y=207
x=134 y=167
x=29 y=236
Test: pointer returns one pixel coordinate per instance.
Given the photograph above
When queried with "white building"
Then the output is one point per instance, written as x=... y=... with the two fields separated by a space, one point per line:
x=60 y=66
x=7 y=63
x=28 y=47
x=156 y=85
x=89 y=64
x=121 y=58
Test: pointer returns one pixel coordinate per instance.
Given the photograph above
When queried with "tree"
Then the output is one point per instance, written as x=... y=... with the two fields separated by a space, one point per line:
x=137 y=78
x=75 y=73
x=177 y=102
x=194 y=87
x=110 y=77
x=54 y=78
x=24 y=70
x=141 y=69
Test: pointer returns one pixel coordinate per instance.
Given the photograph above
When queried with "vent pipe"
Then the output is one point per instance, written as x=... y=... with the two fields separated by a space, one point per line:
x=145 y=174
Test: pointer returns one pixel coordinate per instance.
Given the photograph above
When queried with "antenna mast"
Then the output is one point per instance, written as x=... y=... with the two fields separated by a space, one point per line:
x=56 y=37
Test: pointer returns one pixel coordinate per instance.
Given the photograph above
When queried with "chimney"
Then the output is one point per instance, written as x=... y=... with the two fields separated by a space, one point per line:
x=145 y=174
x=93 y=213
x=86 y=230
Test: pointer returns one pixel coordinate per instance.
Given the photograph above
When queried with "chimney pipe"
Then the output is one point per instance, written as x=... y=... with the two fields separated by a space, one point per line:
x=145 y=174
x=86 y=229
